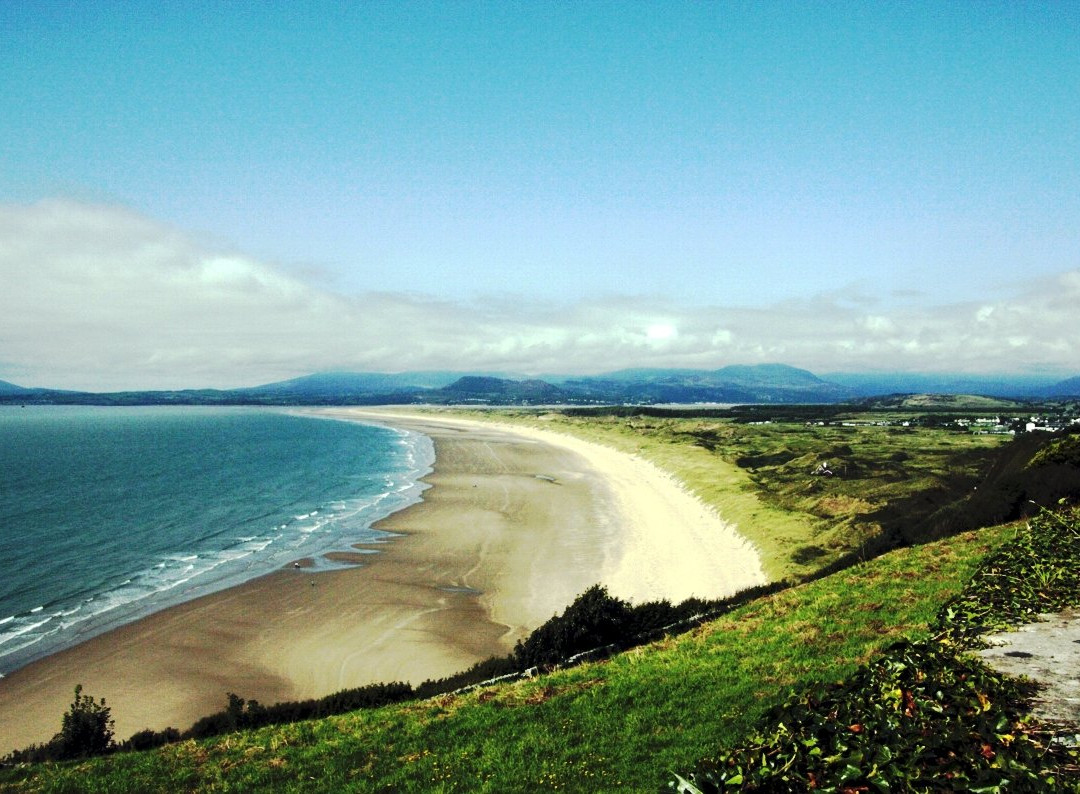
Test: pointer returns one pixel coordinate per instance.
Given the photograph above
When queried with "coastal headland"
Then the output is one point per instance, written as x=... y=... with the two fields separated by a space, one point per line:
x=517 y=523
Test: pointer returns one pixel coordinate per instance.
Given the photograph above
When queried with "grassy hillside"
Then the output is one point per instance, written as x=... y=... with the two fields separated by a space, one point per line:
x=927 y=715
x=621 y=725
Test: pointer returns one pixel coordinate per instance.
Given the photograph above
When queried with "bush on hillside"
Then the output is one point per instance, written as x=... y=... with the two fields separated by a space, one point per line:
x=920 y=718
x=488 y=669
x=86 y=729
x=147 y=739
x=1037 y=571
x=594 y=620
x=242 y=714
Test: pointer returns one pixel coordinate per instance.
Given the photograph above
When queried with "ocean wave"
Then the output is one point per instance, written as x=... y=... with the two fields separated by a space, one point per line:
x=21 y=629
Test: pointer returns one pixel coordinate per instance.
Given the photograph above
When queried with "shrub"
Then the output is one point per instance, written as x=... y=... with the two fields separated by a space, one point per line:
x=594 y=619
x=242 y=714
x=920 y=718
x=86 y=730
x=147 y=739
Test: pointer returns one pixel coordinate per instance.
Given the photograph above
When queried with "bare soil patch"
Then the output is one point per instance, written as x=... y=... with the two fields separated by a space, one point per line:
x=1047 y=652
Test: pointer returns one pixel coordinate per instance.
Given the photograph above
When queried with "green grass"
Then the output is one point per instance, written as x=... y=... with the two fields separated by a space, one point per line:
x=622 y=725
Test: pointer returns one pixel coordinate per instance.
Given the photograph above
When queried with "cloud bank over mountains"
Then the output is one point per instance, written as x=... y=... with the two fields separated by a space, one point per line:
x=99 y=297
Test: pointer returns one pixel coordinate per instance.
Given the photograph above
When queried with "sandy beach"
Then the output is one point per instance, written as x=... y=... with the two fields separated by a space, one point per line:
x=516 y=524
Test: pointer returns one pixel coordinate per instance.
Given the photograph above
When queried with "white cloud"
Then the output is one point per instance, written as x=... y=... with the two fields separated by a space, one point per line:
x=99 y=297
x=661 y=332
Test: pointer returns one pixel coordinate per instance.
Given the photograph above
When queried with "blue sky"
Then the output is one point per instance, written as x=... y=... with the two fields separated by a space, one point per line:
x=227 y=193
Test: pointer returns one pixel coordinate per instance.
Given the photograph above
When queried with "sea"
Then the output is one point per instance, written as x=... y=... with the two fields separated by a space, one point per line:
x=108 y=514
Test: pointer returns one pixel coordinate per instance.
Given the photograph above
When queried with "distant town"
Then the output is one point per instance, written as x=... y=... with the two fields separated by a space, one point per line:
x=977 y=425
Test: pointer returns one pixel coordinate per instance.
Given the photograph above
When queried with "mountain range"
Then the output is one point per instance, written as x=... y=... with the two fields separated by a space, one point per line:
x=762 y=383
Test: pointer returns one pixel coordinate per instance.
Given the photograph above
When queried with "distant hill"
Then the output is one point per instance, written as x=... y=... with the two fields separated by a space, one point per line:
x=767 y=383
x=351 y=384
x=11 y=388
x=775 y=384
x=442 y=388
x=868 y=384
x=1065 y=388
x=499 y=391
x=773 y=375
x=938 y=402
x=370 y=388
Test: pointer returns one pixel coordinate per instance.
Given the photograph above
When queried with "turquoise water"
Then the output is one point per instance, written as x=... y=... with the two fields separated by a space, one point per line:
x=108 y=514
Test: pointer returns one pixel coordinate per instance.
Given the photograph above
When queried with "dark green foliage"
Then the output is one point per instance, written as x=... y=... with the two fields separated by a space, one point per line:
x=920 y=718
x=925 y=716
x=87 y=728
x=1063 y=451
x=1038 y=571
x=757 y=461
x=1034 y=469
x=147 y=739
x=595 y=619
x=492 y=667
x=242 y=714
x=807 y=554
x=33 y=754
x=654 y=616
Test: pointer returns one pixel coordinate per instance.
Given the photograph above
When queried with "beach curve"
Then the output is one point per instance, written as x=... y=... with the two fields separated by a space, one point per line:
x=670 y=545
x=517 y=523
